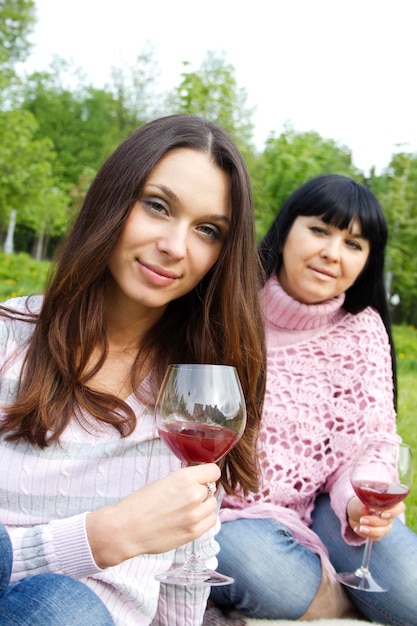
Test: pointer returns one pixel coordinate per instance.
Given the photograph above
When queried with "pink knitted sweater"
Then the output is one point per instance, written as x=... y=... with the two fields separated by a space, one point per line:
x=329 y=385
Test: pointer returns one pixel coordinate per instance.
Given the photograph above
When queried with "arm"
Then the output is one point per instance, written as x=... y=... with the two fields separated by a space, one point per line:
x=61 y=546
x=162 y=515
x=372 y=394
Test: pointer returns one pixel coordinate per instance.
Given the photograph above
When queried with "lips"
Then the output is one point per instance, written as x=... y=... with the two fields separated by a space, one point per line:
x=159 y=270
x=323 y=272
x=156 y=275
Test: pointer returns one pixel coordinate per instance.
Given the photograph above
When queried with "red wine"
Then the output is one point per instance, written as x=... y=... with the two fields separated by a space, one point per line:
x=379 y=495
x=194 y=443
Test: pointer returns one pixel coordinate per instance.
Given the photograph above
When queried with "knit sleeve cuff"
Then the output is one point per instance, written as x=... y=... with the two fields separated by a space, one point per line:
x=72 y=548
x=340 y=494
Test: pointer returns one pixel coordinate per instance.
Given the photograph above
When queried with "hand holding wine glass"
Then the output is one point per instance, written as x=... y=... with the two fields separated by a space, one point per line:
x=381 y=476
x=200 y=415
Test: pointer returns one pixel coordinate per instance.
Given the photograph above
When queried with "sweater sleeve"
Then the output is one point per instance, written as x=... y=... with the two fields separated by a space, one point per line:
x=61 y=546
x=373 y=387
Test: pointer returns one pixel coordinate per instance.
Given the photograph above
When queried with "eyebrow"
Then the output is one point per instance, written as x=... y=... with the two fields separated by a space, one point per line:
x=173 y=196
x=167 y=191
x=358 y=236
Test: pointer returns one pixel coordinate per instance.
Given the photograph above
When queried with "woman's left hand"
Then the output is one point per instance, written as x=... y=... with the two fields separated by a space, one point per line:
x=369 y=524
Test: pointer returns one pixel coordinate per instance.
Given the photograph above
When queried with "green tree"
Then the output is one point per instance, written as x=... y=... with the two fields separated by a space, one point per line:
x=17 y=18
x=291 y=159
x=80 y=122
x=397 y=191
x=26 y=177
x=213 y=93
x=85 y=123
x=134 y=89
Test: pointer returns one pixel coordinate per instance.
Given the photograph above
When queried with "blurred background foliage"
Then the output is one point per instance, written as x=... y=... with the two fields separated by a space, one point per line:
x=57 y=129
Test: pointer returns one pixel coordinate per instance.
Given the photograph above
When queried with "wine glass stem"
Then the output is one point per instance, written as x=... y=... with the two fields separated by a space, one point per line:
x=366 y=556
x=193 y=564
x=194 y=549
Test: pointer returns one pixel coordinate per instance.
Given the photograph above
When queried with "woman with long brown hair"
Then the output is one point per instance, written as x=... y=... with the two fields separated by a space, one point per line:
x=160 y=267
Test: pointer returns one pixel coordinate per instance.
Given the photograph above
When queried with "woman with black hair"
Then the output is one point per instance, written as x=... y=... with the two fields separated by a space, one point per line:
x=330 y=384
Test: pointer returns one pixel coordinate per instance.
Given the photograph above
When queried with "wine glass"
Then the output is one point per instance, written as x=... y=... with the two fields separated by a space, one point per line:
x=200 y=415
x=381 y=476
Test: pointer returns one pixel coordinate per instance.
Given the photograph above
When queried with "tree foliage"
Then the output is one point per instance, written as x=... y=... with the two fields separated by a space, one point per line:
x=212 y=92
x=397 y=190
x=57 y=130
x=26 y=161
x=80 y=122
x=85 y=123
x=134 y=89
x=17 y=18
x=292 y=158
x=26 y=176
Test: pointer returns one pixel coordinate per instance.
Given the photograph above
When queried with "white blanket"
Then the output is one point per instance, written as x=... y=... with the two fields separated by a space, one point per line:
x=214 y=617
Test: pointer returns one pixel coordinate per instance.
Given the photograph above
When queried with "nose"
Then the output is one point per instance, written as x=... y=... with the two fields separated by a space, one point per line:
x=331 y=249
x=173 y=242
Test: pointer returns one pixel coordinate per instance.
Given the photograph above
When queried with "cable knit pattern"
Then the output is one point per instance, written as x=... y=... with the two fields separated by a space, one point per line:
x=329 y=385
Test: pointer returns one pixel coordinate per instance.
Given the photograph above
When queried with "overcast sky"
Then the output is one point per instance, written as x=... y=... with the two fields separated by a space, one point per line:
x=346 y=69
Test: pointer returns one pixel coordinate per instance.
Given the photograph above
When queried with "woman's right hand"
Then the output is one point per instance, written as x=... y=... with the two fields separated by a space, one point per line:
x=369 y=524
x=163 y=515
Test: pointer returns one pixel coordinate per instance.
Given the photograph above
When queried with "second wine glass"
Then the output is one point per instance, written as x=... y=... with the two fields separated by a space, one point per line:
x=381 y=476
x=200 y=415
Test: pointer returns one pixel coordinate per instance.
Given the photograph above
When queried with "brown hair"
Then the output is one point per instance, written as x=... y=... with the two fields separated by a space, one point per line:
x=219 y=321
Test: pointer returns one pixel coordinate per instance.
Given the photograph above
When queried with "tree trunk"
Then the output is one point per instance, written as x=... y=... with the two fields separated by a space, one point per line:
x=39 y=247
x=8 y=244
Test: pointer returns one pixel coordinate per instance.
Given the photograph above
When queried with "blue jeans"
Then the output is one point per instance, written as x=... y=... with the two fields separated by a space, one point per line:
x=276 y=577
x=393 y=564
x=46 y=599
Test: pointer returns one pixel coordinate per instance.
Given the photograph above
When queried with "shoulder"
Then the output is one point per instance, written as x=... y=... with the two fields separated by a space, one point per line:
x=367 y=321
x=17 y=318
x=362 y=338
x=24 y=304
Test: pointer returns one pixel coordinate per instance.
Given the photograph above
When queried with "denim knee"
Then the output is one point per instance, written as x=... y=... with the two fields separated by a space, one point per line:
x=266 y=562
x=393 y=565
x=52 y=600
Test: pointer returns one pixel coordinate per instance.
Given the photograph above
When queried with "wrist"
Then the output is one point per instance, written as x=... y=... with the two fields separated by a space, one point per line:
x=104 y=537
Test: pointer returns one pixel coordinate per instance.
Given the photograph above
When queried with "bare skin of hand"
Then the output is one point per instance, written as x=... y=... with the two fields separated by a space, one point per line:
x=163 y=515
x=369 y=524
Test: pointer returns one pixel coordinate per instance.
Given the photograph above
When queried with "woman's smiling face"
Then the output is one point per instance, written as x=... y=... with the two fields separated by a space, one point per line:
x=174 y=233
x=321 y=261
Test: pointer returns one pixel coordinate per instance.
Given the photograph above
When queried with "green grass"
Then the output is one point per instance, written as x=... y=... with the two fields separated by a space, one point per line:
x=405 y=340
x=22 y=275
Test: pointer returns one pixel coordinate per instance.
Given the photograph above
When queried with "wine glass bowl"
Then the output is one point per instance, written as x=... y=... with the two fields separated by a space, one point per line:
x=201 y=411
x=200 y=416
x=381 y=476
x=197 y=443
